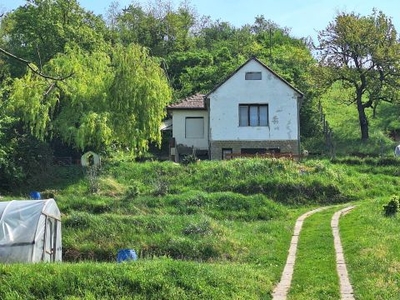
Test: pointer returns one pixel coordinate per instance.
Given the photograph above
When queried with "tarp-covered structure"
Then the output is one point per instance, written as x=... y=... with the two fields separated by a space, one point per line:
x=30 y=231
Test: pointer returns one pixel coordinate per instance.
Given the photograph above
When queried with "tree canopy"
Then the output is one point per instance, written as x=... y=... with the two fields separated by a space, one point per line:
x=92 y=83
x=40 y=29
x=120 y=73
x=363 y=54
x=113 y=98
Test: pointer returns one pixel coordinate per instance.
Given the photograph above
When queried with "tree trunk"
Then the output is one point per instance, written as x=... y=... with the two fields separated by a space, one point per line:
x=362 y=117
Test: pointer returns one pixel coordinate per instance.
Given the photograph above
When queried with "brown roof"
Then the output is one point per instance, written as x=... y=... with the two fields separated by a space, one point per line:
x=191 y=102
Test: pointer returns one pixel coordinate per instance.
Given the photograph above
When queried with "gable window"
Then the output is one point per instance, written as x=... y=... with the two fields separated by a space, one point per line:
x=194 y=127
x=253 y=114
x=253 y=76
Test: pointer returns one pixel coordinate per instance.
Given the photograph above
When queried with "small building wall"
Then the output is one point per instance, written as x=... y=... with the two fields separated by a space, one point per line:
x=216 y=147
x=178 y=123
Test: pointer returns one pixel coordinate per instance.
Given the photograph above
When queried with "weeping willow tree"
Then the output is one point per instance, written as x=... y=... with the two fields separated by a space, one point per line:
x=116 y=98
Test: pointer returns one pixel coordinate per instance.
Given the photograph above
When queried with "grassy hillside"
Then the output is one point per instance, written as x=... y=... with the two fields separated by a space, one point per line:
x=209 y=230
x=189 y=212
x=342 y=117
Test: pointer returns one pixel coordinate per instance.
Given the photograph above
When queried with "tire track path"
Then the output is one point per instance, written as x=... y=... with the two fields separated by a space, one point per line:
x=346 y=291
x=281 y=290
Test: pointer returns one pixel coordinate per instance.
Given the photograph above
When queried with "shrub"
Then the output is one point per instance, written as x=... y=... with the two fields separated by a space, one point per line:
x=160 y=183
x=160 y=187
x=189 y=159
x=392 y=207
x=25 y=162
x=199 y=228
x=133 y=191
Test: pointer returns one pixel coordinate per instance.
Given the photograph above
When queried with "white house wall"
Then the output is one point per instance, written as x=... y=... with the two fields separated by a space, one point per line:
x=178 y=123
x=282 y=105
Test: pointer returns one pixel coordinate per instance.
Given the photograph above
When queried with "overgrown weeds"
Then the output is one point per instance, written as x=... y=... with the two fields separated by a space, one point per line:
x=392 y=207
x=216 y=215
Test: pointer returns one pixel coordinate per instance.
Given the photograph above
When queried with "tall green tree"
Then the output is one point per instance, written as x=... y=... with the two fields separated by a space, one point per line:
x=111 y=99
x=40 y=29
x=158 y=26
x=363 y=54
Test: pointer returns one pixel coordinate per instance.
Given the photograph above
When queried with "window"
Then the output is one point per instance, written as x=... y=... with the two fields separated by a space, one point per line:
x=253 y=114
x=252 y=76
x=225 y=152
x=253 y=151
x=194 y=127
x=274 y=150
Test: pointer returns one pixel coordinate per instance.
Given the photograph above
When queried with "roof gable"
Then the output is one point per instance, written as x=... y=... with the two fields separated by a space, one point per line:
x=264 y=66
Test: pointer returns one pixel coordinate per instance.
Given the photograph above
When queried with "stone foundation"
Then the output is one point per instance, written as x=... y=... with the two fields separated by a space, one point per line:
x=287 y=146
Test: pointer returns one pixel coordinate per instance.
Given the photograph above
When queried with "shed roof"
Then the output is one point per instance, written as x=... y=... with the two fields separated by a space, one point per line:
x=192 y=102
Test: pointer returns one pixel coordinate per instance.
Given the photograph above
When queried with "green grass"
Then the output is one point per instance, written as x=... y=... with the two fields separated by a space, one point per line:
x=151 y=279
x=342 y=117
x=217 y=230
x=315 y=274
x=372 y=250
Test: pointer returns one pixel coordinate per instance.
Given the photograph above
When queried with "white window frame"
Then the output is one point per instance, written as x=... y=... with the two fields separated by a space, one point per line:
x=253 y=115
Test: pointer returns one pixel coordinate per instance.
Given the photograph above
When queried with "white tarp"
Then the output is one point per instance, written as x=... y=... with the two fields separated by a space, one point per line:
x=30 y=231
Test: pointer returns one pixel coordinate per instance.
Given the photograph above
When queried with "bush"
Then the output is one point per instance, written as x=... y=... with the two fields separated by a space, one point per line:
x=189 y=159
x=392 y=207
x=25 y=162
x=160 y=183
x=198 y=228
x=133 y=191
x=160 y=187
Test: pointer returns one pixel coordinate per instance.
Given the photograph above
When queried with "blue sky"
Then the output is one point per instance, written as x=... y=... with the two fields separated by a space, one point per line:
x=303 y=17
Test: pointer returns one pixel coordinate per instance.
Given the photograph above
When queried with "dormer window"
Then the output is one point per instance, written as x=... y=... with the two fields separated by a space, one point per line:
x=253 y=76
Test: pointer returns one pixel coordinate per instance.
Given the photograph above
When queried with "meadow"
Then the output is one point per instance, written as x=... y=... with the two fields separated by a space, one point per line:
x=216 y=230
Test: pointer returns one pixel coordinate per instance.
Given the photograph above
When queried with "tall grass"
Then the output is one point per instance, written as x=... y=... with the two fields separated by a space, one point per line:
x=342 y=116
x=131 y=210
x=284 y=181
x=154 y=279
x=215 y=230
x=372 y=250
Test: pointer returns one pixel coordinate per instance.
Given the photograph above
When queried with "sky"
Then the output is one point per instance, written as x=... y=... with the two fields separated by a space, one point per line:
x=304 y=17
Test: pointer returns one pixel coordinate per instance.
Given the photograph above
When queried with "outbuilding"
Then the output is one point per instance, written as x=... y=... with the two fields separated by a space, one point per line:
x=30 y=231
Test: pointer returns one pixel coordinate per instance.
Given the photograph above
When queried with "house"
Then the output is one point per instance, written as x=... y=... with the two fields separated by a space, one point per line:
x=253 y=111
x=190 y=129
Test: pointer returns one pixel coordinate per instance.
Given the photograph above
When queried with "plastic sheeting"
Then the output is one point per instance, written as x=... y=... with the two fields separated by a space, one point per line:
x=126 y=255
x=30 y=231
